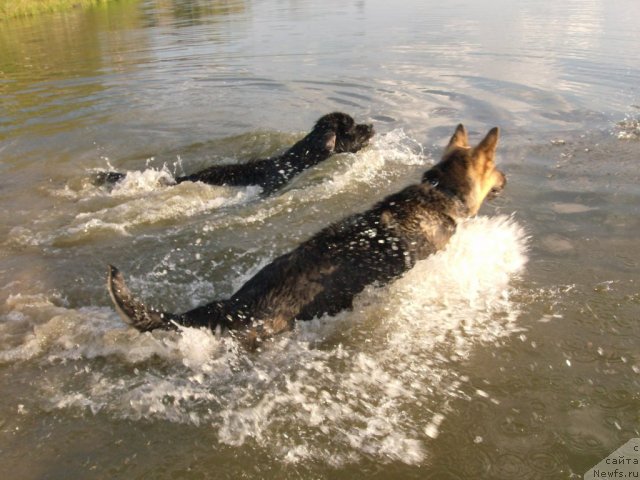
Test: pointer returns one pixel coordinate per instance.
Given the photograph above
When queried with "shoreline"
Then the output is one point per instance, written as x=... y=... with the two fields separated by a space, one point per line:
x=27 y=8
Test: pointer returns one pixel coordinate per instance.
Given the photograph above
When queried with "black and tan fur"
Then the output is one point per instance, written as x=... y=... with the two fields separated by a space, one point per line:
x=333 y=133
x=324 y=273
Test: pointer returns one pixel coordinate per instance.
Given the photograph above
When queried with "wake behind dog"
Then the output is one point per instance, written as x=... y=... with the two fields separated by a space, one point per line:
x=333 y=133
x=325 y=273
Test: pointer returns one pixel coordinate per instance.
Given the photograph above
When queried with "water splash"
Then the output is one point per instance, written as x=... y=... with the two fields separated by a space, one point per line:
x=140 y=199
x=628 y=129
x=374 y=382
x=150 y=196
x=374 y=164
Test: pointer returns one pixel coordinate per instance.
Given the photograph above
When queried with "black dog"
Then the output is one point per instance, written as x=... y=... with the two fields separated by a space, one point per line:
x=333 y=133
x=323 y=274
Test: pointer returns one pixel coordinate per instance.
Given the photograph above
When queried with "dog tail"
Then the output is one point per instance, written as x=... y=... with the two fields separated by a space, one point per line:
x=132 y=310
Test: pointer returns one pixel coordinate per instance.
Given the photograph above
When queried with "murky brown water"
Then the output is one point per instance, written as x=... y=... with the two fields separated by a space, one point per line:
x=511 y=355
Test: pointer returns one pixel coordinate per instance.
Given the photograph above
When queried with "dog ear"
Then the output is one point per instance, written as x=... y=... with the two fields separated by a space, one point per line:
x=459 y=138
x=330 y=141
x=489 y=144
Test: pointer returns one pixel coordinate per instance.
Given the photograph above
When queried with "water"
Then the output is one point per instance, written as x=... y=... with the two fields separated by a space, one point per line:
x=512 y=354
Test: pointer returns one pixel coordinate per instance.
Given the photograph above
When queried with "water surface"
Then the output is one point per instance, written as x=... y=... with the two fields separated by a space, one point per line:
x=512 y=354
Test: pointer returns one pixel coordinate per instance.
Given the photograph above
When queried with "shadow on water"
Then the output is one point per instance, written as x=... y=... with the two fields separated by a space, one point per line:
x=188 y=13
x=55 y=68
x=49 y=68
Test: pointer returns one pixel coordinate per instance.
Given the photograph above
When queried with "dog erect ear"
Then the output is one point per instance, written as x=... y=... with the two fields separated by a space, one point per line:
x=459 y=138
x=489 y=143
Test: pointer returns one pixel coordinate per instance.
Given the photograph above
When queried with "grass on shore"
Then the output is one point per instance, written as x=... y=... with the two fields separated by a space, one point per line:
x=25 y=8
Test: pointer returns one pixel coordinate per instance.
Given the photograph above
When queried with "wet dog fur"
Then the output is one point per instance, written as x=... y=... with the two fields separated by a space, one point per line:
x=324 y=274
x=333 y=133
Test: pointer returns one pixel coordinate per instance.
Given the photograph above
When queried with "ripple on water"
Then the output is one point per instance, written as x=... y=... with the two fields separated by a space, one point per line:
x=543 y=462
x=511 y=466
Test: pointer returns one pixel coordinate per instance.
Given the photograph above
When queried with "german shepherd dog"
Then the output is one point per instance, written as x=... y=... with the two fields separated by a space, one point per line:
x=323 y=274
x=333 y=133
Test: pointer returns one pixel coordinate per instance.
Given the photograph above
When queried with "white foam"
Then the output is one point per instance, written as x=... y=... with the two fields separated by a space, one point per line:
x=370 y=169
x=181 y=201
x=373 y=164
x=628 y=129
x=141 y=198
x=137 y=182
x=134 y=183
x=373 y=382
x=150 y=196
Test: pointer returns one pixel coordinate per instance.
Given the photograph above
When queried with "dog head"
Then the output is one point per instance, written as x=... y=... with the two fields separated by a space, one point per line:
x=467 y=172
x=342 y=134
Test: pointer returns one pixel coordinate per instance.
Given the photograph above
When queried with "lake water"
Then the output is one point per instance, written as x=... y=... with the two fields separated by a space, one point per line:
x=513 y=354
